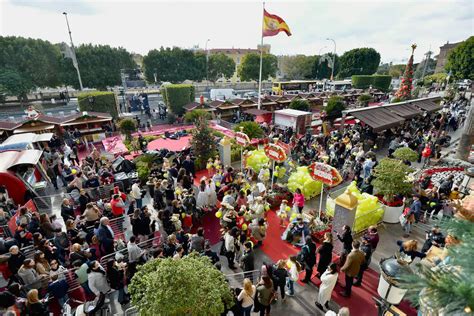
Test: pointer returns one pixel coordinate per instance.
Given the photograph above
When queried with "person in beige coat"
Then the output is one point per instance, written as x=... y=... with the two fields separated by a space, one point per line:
x=352 y=266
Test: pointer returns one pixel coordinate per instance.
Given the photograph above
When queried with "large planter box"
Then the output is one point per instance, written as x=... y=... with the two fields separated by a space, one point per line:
x=392 y=214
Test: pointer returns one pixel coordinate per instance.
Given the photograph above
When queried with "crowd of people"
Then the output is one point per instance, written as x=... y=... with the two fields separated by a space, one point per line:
x=86 y=242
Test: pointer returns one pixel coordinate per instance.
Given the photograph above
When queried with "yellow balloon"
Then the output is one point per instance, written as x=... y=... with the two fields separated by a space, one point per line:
x=287 y=208
x=293 y=216
x=267 y=207
x=218 y=214
x=218 y=184
x=244 y=226
x=74 y=171
x=183 y=215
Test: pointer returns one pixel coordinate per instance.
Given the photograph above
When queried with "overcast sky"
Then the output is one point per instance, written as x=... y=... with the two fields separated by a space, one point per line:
x=388 y=26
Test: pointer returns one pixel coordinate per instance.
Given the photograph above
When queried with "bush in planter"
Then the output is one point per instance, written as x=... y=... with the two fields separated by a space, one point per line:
x=188 y=286
x=381 y=82
x=176 y=96
x=252 y=129
x=195 y=115
x=127 y=127
x=391 y=178
x=98 y=101
x=364 y=99
x=361 y=81
x=406 y=154
x=300 y=105
x=335 y=107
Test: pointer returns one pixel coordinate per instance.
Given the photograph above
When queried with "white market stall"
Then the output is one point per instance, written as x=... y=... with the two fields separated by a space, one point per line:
x=298 y=120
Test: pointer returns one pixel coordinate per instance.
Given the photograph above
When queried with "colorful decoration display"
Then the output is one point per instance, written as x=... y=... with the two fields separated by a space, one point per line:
x=301 y=178
x=242 y=139
x=404 y=92
x=275 y=152
x=256 y=159
x=325 y=173
x=369 y=211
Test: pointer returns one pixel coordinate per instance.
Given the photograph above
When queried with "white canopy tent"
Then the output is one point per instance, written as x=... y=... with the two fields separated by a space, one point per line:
x=28 y=138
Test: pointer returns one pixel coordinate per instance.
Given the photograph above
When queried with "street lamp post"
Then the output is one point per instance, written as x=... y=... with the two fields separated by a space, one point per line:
x=333 y=58
x=207 y=62
x=76 y=65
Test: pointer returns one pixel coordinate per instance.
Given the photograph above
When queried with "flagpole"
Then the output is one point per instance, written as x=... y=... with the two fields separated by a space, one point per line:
x=261 y=61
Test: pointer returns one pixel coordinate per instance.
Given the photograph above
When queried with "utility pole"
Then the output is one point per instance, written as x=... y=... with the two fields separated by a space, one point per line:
x=207 y=63
x=427 y=60
x=74 y=59
x=333 y=58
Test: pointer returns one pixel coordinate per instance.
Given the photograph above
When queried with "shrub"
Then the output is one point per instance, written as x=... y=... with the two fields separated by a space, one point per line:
x=364 y=99
x=435 y=78
x=98 y=101
x=396 y=100
x=171 y=117
x=391 y=178
x=335 y=107
x=176 y=96
x=381 y=82
x=405 y=154
x=301 y=105
x=194 y=115
x=252 y=129
x=127 y=127
x=188 y=286
x=361 y=81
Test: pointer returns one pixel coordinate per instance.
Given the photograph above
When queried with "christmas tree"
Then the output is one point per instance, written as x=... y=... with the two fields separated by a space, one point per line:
x=203 y=142
x=404 y=92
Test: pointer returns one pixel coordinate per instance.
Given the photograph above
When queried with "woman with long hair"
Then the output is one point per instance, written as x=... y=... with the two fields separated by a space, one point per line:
x=325 y=253
x=246 y=297
x=34 y=306
x=202 y=199
x=328 y=282
x=265 y=295
x=294 y=270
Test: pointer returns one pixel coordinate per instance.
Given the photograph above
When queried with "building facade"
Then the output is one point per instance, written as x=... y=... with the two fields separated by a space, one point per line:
x=442 y=58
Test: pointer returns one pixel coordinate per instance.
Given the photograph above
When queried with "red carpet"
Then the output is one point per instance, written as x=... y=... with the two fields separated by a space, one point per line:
x=360 y=303
x=170 y=144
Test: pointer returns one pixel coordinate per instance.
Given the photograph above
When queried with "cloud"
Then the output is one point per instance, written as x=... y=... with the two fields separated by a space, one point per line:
x=72 y=6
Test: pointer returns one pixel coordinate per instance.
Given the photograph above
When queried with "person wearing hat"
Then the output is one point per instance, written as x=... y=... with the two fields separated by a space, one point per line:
x=366 y=248
x=282 y=212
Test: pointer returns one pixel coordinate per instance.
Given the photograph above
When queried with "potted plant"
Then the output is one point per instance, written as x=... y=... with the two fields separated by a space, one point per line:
x=405 y=154
x=391 y=184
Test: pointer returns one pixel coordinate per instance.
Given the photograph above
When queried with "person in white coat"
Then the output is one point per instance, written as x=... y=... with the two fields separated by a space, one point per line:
x=328 y=282
x=98 y=284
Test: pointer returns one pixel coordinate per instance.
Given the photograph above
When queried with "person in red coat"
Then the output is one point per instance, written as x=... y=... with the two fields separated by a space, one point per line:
x=118 y=206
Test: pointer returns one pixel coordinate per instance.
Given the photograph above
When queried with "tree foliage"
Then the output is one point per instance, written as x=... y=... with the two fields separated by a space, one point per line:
x=461 y=60
x=127 y=126
x=11 y=83
x=196 y=115
x=362 y=81
x=100 y=66
x=359 y=61
x=34 y=60
x=250 y=67
x=220 y=66
x=435 y=78
x=299 y=104
x=364 y=99
x=176 y=96
x=391 y=178
x=203 y=142
x=446 y=289
x=297 y=67
x=174 y=65
x=405 y=154
x=252 y=129
x=322 y=66
x=98 y=101
x=335 y=107
x=188 y=286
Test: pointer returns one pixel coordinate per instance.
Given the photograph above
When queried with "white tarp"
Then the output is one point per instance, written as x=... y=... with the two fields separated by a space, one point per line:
x=9 y=159
x=28 y=138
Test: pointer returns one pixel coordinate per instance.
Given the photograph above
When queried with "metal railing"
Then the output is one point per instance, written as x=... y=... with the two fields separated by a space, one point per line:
x=236 y=280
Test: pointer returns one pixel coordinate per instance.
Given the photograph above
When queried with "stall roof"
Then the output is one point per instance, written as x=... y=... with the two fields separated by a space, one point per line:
x=405 y=110
x=292 y=112
x=379 y=118
x=427 y=105
x=32 y=129
x=257 y=112
x=10 y=159
x=28 y=138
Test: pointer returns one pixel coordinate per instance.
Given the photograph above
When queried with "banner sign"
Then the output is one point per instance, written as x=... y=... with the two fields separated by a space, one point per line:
x=242 y=139
x=325 y=173
x=275 y=152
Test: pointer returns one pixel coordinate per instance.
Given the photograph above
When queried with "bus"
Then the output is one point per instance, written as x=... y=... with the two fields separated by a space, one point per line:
x=339 y=85
x=280 y=87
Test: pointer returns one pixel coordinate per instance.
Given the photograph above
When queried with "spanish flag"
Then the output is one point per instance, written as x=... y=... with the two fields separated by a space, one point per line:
x=273 y=24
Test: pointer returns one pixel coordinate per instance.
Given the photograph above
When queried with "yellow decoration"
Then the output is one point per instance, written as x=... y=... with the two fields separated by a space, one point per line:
x=244 y=226
x=183 y=215
x=287 y=208
x=74 y=171
x=218 y=214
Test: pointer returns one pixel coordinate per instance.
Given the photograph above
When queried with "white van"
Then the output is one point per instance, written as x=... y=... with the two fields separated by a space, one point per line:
x=222 y=94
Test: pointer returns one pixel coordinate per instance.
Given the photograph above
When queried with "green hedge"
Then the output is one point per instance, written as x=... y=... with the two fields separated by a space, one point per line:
x=104 y=102
x=361 y=81
x=380 y=82
x=176 y=96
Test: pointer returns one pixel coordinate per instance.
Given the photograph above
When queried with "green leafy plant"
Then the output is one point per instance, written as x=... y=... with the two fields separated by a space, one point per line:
x=143 y=163
x=405 y=154
x=176 y=96
x=250 y=66
x=98 y=101
x=127 y=127
x=391 y=178
x=364 y=99
x=461 y=60
x=252 y=129
x=195 y=115
x=381 y=83
x=446 y=289
x=299 y=104
x=335 y=107
x=361 y=81
x=171 y=118
x=188 y=286
x=203 y=143
x=359 y=61
x=435 y=78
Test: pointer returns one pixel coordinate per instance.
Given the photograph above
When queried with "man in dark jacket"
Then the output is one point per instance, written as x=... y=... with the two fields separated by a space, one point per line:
x=188 y=164
x=15 y=260
x=248 y=261
x=308 y=254
x=105 y=236
x=366 y=248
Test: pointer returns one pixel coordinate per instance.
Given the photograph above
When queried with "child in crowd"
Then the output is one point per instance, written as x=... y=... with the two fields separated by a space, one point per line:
x=282 y=212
